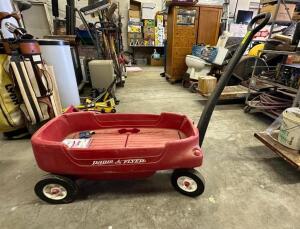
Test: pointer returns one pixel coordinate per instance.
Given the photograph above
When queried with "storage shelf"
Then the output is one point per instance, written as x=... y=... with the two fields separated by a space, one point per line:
x=280 y=52
x=290 y=155
x=275 y=84
x=282 y=23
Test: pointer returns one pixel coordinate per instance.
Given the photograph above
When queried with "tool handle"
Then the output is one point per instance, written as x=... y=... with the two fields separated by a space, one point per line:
x=265 y=17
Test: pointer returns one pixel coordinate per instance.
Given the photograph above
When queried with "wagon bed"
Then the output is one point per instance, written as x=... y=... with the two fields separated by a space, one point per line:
x=145 y=138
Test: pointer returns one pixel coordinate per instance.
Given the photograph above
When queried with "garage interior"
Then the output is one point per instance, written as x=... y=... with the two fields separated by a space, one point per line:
x=105 y=105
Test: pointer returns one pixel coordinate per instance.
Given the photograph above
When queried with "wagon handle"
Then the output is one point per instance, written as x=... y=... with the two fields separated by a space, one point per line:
x=213 y=99
x=265 y=19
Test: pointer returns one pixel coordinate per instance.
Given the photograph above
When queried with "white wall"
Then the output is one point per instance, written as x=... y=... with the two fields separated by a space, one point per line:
x=242 y=5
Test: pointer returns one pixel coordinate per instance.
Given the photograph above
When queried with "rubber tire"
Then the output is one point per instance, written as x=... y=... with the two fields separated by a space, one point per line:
x=247 y=109
x=186 y=83
x=193 y=174
x=113 y=111
x=70 y=186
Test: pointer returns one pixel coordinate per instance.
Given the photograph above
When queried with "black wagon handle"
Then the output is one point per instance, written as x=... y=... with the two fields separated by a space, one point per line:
x=265 y=17
x=213 y=99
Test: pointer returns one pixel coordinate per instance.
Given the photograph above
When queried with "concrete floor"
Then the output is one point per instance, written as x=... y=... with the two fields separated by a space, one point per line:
x=247 y=186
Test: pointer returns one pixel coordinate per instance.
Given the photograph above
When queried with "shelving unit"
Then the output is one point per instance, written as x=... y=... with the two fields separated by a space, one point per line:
x=270 y=139
x=279 y=2
x=289 y=155
x=273 y=86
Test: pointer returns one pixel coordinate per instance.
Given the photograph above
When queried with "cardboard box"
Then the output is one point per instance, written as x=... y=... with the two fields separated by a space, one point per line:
x=149 y=42
x=160 y=20
x=149 y=23
x=148 y=10
x=296 y=16
x=134 y=14
x=135 y=5
x=134 y=20
x=159 y=36
x=147 y=29
x=134 y=29
x=156 y=62
x=135 y=35
x=135 y=23
x=159 y=30
x=149 y=36
x=282 y=14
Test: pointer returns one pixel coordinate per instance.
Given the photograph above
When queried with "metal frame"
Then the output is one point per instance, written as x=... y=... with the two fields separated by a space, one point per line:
x=51 y=28
x=252 y=79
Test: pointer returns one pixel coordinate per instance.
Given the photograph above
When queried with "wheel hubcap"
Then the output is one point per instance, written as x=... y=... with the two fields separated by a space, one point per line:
x=55 y=191
x=187 y=184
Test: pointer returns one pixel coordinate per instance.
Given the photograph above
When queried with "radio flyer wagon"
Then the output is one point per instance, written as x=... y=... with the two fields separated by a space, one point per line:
x=90 y=145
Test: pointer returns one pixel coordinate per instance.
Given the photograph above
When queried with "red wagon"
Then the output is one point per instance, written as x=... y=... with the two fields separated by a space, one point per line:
x=116 y=146
x=126 y=146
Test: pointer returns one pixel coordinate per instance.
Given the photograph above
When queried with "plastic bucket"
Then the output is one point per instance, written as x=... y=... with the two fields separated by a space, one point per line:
x=289 y=134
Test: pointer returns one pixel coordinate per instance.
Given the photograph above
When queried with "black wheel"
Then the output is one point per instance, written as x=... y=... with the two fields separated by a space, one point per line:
x=247 y=109
x=186 y=83
x=194 y=87
x=117 y=102
x=113 y=110
x=102 y=110
x=56 y=189
x=188 y=182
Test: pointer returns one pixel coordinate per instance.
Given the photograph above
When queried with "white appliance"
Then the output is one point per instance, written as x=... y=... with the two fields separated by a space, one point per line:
x=101 y=73
x=58 y=54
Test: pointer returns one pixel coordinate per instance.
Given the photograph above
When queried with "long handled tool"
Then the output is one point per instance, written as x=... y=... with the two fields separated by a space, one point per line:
x=262 y=20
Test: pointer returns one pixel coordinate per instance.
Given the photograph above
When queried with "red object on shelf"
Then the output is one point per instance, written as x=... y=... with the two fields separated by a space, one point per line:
x=122 y=146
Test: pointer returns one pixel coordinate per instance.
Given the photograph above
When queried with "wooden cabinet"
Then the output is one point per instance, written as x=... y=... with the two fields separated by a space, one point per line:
x=186 y=27
x=182 y=34
x=209 y=25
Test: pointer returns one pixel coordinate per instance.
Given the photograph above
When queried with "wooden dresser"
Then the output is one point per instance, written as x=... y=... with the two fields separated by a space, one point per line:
x=188 y=25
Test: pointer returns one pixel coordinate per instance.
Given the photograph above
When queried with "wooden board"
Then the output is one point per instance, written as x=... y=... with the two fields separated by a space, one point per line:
x=290 y=155
x=145 y=138
x=232 y=92
x=209 y=25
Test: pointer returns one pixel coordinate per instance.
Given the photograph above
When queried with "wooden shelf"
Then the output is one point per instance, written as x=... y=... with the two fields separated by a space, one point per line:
x=169 y=3
x=278 y=85
x=232 y=92
x=290 y=155
x=280 y=52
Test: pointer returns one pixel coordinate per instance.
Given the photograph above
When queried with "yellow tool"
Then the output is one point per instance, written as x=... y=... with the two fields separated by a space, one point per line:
x=109 y=106
x=106 y=102
x=255 y=51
